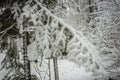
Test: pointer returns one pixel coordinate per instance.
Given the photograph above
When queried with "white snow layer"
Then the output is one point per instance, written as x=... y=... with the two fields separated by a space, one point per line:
x=67 y=71
x=71 y=71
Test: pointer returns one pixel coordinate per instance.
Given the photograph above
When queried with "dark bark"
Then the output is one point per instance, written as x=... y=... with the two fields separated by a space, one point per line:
x=55 y=63
x=91 y=10
x=49 y=69
x=27 y=74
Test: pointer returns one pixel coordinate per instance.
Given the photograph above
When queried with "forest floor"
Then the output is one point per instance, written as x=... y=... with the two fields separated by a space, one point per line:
x=67 y=71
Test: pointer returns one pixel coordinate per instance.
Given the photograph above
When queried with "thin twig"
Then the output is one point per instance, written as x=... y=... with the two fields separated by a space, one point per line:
x=36 y=69
x=7 y=28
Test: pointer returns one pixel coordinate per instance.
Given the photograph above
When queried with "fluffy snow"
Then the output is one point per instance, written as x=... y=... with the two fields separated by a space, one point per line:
x=71 y=71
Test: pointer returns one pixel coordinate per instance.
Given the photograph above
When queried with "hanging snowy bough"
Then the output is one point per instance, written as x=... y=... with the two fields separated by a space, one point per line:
x=54 y=37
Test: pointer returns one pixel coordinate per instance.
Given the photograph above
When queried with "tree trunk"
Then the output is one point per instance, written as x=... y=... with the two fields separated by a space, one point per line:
x=56 y=74
x=49 y=69
x=91 y=10
x=27 y=75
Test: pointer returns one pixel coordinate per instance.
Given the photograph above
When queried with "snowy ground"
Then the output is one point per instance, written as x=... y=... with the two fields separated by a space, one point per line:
x=67 y=71
x=71 y=71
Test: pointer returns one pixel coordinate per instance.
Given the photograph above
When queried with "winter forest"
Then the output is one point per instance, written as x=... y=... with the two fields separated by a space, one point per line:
x=59 y=39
